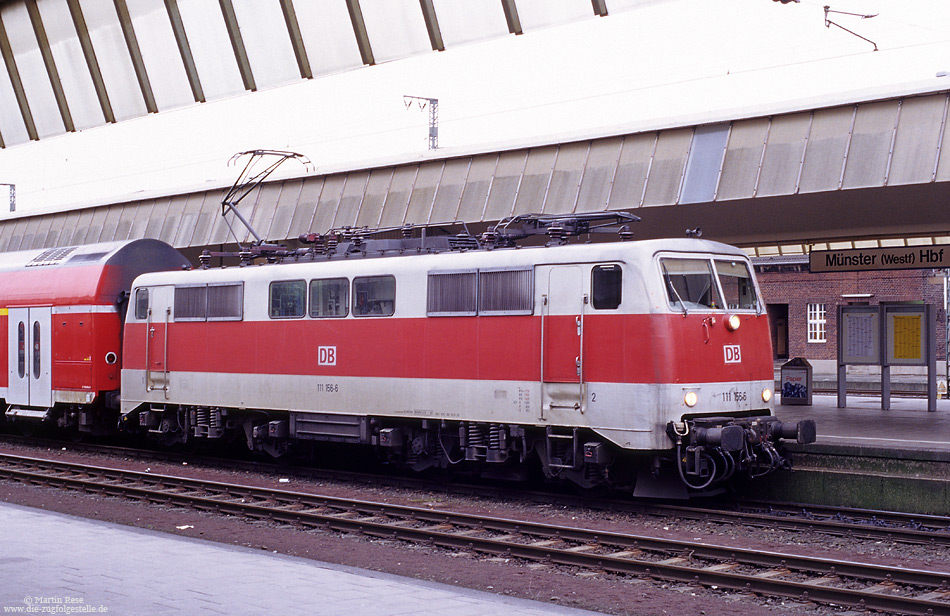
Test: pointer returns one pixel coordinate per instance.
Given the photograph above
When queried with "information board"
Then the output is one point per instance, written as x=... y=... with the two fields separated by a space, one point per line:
x=887 y=335
x=860 y=336
x=905 y=341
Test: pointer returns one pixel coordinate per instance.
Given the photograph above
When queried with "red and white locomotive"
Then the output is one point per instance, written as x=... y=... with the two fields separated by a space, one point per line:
x=643 y=365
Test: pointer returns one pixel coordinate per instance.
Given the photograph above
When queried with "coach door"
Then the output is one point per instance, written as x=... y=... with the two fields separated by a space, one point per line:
x=30 y=356
x=562 y=333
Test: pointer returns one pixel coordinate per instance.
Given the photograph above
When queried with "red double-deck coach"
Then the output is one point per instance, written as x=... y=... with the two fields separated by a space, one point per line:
x=61 y=314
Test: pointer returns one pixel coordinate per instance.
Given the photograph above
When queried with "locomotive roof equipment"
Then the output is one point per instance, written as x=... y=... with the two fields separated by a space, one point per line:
x=350 y=241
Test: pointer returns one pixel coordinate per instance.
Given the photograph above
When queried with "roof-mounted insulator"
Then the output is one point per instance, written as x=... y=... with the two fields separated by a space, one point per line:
x=490 y=238
x=625 y=233
x=557 y=233
x=205 y=259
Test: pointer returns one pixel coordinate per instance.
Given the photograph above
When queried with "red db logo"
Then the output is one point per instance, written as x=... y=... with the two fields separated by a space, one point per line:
x=733 y=354
x=326 y=356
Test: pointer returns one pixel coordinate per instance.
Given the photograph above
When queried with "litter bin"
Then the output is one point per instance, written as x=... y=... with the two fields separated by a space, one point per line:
x=796 y=381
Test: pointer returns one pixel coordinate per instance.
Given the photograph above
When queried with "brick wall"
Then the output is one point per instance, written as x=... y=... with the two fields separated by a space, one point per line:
x=797 y=289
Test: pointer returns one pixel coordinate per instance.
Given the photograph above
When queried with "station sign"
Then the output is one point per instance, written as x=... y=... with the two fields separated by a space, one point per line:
x=865 y=259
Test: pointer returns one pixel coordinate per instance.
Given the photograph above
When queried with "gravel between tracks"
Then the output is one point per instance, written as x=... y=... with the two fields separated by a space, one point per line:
x=550 y=583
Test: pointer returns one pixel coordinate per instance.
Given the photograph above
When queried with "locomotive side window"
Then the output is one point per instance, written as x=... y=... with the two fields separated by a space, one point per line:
x=452 y=293
x=374 y=296
x=288 y=299
x=141 y=304
x=329 y=297
x=506 y=292
x=737 y=286
x=690 y=284
x=226 y=302
x=606 y=286
x=191 y=303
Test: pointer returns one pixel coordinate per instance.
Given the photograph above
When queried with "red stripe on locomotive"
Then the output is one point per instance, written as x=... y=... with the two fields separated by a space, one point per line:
x=617 y=348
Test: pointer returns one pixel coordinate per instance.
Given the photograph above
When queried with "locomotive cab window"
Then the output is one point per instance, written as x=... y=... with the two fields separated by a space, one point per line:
x=141 y=304
x=737 y=286
x=374 y=296
x=287 y=299
x=690 y=284
x=329 y=297
x=606 y=286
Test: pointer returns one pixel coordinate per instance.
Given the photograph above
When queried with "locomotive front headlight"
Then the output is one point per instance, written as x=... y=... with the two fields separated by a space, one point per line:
x=733 y=323
x=690 y=399
x=766 y=394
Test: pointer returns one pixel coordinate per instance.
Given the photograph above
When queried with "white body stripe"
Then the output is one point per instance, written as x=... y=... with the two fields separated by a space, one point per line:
x=630 y=415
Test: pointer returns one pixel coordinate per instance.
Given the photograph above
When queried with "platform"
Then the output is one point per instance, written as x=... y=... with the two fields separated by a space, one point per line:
x=59 y=564
x=907 y=425
x=895 y=460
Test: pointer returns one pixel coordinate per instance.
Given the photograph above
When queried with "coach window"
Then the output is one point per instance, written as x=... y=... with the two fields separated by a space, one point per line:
x=288 y=299
x=329 y=297
x=690 y=284
x=36 y=349
x=374 y=296
x=606 y=286
x=141 y=304
x=21 y=349
x=737 y=285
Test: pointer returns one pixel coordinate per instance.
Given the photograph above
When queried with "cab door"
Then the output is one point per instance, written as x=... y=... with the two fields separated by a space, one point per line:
x=158 y=310
x=562 y=330
x=30 y=357
x=563 y=325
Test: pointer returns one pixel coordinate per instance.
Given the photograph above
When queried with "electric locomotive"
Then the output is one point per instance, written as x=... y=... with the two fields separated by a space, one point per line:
x=641 y=365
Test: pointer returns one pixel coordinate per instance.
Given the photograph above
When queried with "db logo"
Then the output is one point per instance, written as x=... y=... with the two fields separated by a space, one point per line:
x=326 y=356
x=733 y=354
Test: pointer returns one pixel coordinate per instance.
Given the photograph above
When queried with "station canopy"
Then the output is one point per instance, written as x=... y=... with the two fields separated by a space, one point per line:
x=69 y=65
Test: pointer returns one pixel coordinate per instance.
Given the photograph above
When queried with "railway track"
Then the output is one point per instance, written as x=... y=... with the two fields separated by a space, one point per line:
x=820 y=580
x=873 y=525
x=840 y=521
